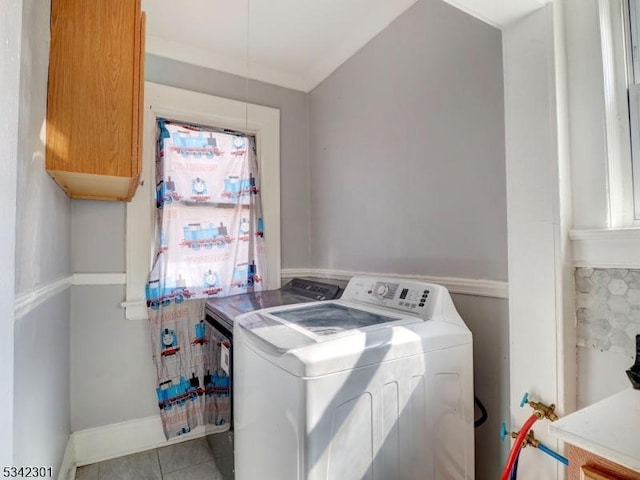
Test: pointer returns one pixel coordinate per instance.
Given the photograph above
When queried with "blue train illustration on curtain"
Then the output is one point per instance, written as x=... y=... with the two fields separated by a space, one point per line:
x=158 y=294
x=236 y=187
x=239 y=145
x=211 y=283
x=195 y=144
x=196 y=236
x=245 y=274
x=177 y=391
x=244 y=231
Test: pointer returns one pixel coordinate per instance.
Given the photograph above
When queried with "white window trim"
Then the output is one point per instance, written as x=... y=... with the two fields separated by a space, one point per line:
x=615 y=246
x=184 y=105
x=618 y=139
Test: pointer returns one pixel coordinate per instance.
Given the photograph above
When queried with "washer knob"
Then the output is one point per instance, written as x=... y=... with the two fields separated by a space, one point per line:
x=382 y=290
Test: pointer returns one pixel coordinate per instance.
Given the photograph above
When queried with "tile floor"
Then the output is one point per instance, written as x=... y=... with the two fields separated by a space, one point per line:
x=208 y=458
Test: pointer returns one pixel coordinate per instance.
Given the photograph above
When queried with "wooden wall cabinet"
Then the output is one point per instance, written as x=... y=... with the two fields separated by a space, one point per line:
x=95 y=97
x=584 y=465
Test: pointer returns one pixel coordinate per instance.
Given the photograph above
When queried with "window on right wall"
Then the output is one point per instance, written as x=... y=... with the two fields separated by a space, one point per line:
x=632 y=33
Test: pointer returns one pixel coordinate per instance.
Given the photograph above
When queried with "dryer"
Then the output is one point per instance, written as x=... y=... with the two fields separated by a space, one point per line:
x=220 y=313
x=378 y=384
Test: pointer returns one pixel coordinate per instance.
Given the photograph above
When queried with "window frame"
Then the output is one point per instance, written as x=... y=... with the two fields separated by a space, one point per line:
x=162 y=101
x=620 y=188
x=631 y=14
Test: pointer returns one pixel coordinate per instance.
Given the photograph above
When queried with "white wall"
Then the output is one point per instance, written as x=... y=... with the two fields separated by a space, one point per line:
x=10 y=39
x=601 y=374
x=542 y=332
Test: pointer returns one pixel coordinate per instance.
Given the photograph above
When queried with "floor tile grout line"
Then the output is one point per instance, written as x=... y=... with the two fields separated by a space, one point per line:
x=159 y=464
x=213 y=458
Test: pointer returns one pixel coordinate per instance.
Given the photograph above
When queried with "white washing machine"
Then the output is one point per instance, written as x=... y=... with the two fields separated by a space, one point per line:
x=376 y=385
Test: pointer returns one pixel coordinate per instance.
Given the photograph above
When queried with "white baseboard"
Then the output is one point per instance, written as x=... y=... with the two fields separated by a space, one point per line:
x=68 y=467
x=462 y=286
x=118 y=439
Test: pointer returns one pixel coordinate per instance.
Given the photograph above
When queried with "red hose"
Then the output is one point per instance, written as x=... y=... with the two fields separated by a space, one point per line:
x=517 y=446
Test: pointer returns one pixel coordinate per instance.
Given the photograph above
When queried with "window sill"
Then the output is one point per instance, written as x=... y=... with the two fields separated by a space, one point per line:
x=615 y=248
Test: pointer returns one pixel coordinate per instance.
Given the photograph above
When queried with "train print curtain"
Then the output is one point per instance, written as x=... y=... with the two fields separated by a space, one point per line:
x=209 y=243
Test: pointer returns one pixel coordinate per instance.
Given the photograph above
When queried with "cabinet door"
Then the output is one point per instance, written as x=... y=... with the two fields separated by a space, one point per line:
x=589 y=473
x=585 y=465
x=138 y=102
x=94 y=98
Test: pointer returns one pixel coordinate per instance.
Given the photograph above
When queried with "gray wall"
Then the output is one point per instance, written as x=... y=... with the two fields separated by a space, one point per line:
x=10 y=28
x=41 y=337
x=112 y=374
x=101 y=370
x=41 y=389
x=98 y=227
x=407 y=151
x=408 y=175
x=488 y=320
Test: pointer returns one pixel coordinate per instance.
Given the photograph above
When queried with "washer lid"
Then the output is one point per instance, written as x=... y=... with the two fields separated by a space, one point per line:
x=283 y=329
x=330 y=318
x=236 y=305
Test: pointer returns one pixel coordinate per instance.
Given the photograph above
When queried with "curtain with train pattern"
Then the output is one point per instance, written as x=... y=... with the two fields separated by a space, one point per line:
x=209 y=243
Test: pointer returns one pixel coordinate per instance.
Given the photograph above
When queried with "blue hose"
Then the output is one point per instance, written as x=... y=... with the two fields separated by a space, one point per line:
x=553 y=454
x=514 y=470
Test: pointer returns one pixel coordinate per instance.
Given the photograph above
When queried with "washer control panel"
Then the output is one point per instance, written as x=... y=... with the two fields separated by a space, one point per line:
x=408 y=296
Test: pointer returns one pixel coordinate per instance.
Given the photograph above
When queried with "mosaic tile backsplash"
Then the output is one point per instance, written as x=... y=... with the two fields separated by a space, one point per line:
x=608 y=308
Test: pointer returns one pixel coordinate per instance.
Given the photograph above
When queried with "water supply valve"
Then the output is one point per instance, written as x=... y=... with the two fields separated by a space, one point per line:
x=529 y=440
x=540 y=409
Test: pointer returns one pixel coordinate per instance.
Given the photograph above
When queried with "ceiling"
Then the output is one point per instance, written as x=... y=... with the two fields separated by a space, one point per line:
x=291 y=43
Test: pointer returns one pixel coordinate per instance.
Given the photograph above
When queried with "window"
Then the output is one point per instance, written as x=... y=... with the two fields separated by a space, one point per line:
x=632 y=22
x=192 y=107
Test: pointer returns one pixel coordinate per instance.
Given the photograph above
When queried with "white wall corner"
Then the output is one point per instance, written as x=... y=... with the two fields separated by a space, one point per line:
x=537 y=267
x=566 y=327
x=68 y=467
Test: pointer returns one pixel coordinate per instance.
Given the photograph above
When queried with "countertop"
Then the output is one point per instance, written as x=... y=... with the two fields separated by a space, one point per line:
x=609 y=428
